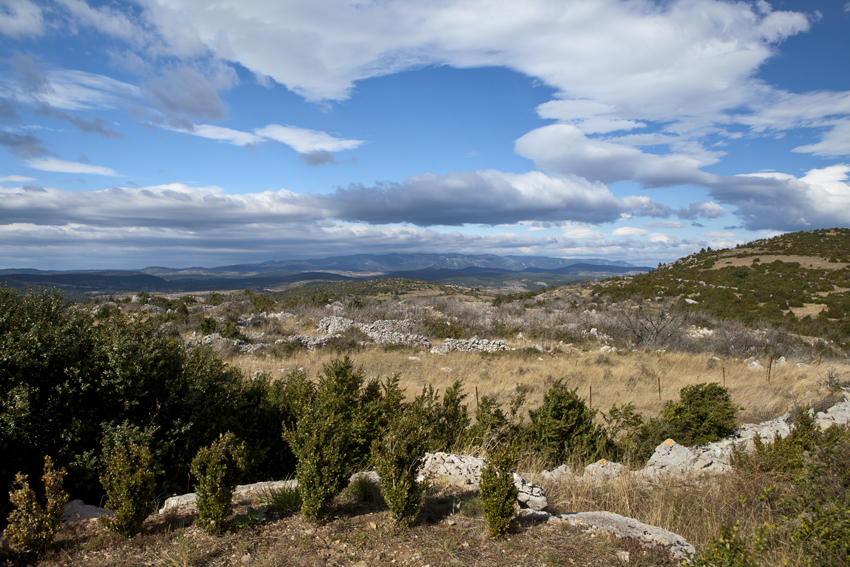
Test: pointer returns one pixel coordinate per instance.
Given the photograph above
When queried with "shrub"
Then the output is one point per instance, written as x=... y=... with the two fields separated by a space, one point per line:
x=563 y=427
x=397 y=456
x=448 y=419
x=32 y=526
x=703 y=414
x=498 y=492
x=208 y=325
x=729 y=550
x=130 y=484
x=218 y=469
x=321 y=438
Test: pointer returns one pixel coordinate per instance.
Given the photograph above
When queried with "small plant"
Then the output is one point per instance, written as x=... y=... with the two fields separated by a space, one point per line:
x=283 y=500
x=397 y=456
x=729 y=550
x=363 y=489
x=704 y=413
x=218 y=469
x=498 y=492
x=208 y=326
x=130 y=484
x=32 y=526
x=563 y=427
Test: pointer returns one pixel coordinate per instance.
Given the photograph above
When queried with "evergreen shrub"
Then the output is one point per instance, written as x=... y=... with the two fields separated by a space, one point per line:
x=218 y=469
x=498 y=491
x=32 y=526
x=130 y=485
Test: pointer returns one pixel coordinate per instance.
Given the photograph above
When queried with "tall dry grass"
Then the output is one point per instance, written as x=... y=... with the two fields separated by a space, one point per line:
x=614 y=377
x=695 y=510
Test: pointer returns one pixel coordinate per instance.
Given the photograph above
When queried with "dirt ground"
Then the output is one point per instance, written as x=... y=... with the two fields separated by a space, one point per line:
x=359 y=534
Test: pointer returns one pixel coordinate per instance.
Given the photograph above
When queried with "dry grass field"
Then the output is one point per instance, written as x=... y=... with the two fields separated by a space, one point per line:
x=613 y=377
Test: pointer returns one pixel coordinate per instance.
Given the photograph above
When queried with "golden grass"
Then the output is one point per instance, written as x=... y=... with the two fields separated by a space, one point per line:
x=614 y=378
x=696 y=511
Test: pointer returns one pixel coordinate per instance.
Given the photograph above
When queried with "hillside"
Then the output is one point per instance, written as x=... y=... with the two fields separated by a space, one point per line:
x=798 y=280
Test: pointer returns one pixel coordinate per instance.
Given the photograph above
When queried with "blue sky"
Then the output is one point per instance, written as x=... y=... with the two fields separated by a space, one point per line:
x=186 y=133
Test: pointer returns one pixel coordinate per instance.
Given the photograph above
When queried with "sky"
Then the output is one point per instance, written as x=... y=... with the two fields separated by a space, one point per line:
x=186 y=133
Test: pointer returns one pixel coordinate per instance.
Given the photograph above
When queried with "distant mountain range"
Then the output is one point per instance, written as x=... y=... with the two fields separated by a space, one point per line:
x=459 y=269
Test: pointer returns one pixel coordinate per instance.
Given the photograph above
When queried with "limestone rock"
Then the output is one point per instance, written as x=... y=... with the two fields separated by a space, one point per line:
x=76 y=510
x=603 y=470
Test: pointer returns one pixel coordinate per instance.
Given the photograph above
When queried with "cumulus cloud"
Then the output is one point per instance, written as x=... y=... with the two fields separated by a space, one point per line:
x=629 y=231
x=780 y=201
x=564 y=149
x=485 y=197
x=62 y=166
x=705 y=209
x=20 y=18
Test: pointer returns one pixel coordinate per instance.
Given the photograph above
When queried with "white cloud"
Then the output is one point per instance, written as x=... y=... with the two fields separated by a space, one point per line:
x=563 y=148
x=779 y=201
x=313 y=144
x=485 y=197
x=306 y=141
x=62 y=166
x=16 y=179
x=665 y=224
x=835 y=142
x=20 y=18
x=220 y=134
x=629 y=231
x=584 y=234
x=705 y=209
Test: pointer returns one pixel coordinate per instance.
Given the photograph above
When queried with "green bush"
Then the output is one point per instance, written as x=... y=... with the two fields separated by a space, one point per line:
x=562 y=427
x=448 y=419
x=218 y=469
x=704 y=414
x=65 y=382
x=321 y=438
x=32 y=526
x=208 y=325
x=130 y=485
x=397 y=456
x=498 y=492
x=728 y=550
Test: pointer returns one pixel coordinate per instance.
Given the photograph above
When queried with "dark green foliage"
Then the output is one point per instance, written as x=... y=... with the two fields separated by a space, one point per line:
x=130 y=485
x=336 y=424
x=208 y=326
x=498 y=492
x=493 y=425
x=562 y=427
x=32 y=526
x=447 y=419
x=704 y=414
x=218 y=469
x=66 y=383
x=397 y=456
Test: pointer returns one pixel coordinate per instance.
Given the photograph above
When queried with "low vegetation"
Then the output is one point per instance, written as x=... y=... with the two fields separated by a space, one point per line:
x=128 y=399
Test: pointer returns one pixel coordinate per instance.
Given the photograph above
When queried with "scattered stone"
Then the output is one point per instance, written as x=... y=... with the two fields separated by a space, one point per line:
x=755 y=365
x=76 y=510
x=604 y=470
x=621 y=526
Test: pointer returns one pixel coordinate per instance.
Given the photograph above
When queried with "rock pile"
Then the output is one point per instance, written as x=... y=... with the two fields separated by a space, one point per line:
x=472 y=345
x=465 y=472
x=383 y=332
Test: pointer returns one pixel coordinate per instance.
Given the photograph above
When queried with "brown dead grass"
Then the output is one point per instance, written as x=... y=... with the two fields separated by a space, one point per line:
x=615 y=378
